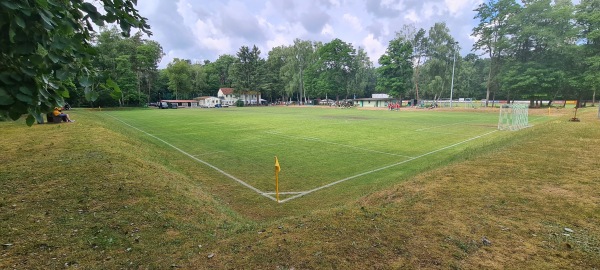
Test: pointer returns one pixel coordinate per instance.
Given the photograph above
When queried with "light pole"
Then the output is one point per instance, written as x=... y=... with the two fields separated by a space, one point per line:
x=452 y=83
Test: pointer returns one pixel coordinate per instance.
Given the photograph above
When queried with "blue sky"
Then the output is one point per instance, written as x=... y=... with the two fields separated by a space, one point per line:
x=204 y=29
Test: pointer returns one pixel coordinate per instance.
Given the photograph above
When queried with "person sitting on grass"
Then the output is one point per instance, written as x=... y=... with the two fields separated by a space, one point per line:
x=63 y=116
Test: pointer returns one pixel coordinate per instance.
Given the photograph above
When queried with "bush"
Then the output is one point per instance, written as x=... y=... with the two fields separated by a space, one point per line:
x=239 y=103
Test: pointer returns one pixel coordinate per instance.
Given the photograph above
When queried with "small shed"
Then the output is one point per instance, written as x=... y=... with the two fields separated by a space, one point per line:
x=374 y=102
x=182 y=102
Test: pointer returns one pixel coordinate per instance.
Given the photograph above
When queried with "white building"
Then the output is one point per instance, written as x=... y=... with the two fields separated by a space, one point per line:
x=208 y=102
x=228 y=97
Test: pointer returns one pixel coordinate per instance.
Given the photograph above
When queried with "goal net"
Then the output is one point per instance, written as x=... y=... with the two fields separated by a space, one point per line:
x=513 y=116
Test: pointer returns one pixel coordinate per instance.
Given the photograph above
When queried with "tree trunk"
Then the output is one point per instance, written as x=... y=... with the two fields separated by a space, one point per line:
x=489 y=82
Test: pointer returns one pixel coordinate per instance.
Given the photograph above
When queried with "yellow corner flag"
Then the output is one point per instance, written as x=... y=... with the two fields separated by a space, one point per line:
x=277 y=170
x=277 y=167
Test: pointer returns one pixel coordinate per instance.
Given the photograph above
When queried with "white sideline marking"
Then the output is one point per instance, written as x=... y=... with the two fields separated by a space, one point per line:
x=201 y=161
x=382 y=168
x=273 y=193
x=444 y=125
x=338 y=144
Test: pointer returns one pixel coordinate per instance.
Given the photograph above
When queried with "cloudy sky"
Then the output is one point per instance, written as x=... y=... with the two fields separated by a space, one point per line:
x=204 y=29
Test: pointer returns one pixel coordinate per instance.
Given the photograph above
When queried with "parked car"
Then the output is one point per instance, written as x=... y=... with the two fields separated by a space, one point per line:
x=174 y=105
x=163 y=105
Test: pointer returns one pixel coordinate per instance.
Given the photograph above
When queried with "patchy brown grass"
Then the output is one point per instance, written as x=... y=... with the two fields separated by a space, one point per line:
x=83 y=195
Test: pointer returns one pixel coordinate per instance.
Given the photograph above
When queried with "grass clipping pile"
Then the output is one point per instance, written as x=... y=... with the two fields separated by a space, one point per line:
x=102 y=201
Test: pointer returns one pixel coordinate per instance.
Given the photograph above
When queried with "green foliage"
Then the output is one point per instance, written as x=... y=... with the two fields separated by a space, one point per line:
x=248 y=70
x=335 y=67
x=131 y=62
x=179 y=72
x=396 y=68
x=239 y=103
x=588 y=18
x=45 y=42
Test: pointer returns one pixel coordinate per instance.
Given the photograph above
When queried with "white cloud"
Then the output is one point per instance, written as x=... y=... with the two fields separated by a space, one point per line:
x=327 y=31
x=354 y=21
x=457 y=7
x=412 y=16
x=204 y=29
x=373 y=47
x=209 y=37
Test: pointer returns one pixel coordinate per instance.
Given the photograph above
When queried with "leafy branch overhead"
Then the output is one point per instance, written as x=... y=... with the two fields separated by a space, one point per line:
x=46 y=44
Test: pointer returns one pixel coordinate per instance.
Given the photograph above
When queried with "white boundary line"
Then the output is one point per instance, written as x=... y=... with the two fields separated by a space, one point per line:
x=383 y=168
x=199 y=160
x=298 y=194
x=313 y=139
x=273 y=193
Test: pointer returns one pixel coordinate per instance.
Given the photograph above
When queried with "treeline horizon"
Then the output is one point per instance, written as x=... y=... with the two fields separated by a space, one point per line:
x=537 y=50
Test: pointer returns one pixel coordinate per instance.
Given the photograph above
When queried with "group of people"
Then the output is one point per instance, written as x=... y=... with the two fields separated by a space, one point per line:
x=394 y=106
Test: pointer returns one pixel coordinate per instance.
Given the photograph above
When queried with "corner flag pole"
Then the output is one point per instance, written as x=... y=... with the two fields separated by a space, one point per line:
x=277 y=169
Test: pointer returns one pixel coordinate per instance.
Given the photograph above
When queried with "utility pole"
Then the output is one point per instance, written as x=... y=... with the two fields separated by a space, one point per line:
x=452 y=83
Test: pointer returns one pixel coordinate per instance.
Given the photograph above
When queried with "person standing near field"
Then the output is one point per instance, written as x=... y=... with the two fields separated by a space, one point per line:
x=58 y=112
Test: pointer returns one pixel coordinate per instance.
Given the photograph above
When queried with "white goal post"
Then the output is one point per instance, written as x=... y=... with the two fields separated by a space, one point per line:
x=513 y=116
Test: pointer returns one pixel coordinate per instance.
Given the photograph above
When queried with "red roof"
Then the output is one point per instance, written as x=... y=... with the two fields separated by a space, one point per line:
x=227 y=91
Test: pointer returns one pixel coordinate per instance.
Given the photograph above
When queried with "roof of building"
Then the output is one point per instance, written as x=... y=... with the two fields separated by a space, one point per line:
x=376 y=99
x=177 y=100
x=226 y=91
x=205 y=97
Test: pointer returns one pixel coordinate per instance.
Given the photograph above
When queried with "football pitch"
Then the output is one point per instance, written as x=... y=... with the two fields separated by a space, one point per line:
x=317 y=148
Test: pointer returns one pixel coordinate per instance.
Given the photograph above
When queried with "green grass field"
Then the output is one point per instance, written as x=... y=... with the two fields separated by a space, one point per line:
x=110 y=191
x=317 y=148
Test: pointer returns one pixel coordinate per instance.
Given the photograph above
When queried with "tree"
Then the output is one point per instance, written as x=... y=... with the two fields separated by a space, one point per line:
x=441 y=48
x=543 y=40
x=248 y=71
x=296 y=64
x=420 y=45
x=44 y=43
x=180 y=72
x=364 y=75
x=335 y=67
x=148 y=55
x=588 y=18
x=139 y=55
x=396 y=68
x=492 y=32
x=471 y=76
x=223 y=67
x=274 y=79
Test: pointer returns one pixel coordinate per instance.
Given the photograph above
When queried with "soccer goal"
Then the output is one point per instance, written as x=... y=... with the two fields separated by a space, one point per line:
x=513 y=116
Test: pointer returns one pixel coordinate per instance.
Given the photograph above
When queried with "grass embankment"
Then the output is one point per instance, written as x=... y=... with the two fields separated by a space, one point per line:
x=112 y=201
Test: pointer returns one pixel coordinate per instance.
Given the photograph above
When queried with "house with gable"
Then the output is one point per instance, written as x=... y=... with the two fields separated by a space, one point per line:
x=228 y=97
